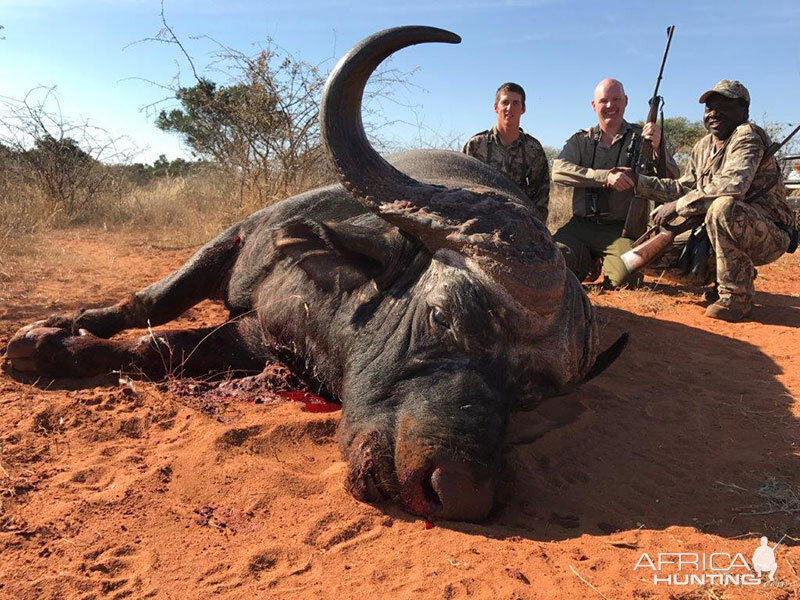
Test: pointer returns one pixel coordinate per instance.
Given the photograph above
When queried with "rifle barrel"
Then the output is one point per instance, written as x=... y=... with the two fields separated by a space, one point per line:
x=788 y=137
x=780 y=540
x=773 y=148
x=670 y=31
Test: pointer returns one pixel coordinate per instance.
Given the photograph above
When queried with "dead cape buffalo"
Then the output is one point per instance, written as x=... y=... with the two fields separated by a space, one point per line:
x=424 y=296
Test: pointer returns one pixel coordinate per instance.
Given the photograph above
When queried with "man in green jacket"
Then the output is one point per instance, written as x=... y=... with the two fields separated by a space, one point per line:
x=591 y=163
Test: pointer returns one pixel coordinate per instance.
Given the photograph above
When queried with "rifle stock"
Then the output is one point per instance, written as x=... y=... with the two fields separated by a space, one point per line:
x=643 y=254
x=647 y=249
x=636 y=219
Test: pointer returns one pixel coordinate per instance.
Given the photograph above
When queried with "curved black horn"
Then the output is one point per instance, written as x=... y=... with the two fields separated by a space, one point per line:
x=340 y=113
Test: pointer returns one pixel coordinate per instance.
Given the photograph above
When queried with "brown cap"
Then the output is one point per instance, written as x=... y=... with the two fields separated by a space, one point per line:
x=729 y=89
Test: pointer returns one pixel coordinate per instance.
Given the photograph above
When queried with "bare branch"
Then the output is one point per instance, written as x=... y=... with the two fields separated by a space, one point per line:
x=64 y=159
x=258 y=116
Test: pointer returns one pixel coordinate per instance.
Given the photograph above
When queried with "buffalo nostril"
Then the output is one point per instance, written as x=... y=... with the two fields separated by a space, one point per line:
x=446 y=489
x=431 y=496
x=417 y=493
x=462 y=496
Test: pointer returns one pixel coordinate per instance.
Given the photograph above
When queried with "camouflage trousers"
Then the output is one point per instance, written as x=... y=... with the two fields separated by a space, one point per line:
x=741 y=238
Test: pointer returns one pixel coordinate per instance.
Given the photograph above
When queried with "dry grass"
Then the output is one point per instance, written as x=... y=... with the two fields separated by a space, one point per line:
x=174 y=211
x=560 y=206
x=780 y=496
x=648 y=299
x=22 y=211
x=183 y=211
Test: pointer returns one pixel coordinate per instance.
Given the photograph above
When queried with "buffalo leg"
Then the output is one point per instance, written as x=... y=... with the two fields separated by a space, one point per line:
x=203 y=276
x=57 y=352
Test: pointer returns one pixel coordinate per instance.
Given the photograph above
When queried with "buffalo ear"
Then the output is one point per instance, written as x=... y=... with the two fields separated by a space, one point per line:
x=607 y=357
x=337 y=256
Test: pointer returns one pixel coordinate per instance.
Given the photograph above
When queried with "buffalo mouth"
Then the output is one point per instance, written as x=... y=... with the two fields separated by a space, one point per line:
x=435 y=486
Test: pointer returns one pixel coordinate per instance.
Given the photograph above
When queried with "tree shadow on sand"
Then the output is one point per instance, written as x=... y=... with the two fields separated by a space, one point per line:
x=682 y=430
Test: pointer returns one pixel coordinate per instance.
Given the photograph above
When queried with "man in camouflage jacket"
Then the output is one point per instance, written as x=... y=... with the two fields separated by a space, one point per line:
x=512 y=151
x=742 y=198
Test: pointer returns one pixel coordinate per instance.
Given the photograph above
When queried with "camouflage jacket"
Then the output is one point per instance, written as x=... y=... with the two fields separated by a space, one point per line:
x=585 y=161
x=733 y=170
x=523 y=161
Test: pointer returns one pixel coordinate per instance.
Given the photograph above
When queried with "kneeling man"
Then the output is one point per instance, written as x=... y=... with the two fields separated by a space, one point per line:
x=742 y=198
x=592 y=163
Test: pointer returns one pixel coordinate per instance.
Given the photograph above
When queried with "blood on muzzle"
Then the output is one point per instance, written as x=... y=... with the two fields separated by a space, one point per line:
x=444 y=488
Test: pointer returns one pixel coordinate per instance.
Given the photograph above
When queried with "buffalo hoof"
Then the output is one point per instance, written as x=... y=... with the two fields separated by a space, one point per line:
x=102 y=322
x=49 y=351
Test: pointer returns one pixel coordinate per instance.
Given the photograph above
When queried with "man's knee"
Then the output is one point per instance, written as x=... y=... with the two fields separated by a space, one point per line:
x=614 y=269
x=617 y=275
x=720 y=211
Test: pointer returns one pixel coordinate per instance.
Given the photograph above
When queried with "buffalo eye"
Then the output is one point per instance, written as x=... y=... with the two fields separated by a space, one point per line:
x=437 y=318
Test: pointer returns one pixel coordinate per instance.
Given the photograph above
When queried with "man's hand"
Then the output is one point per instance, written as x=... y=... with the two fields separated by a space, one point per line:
x=619 y=180
x=629 y=173
x=664 y=213
x=652 y=132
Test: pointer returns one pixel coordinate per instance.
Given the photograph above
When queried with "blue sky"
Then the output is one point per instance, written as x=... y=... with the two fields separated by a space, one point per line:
x=556 y=49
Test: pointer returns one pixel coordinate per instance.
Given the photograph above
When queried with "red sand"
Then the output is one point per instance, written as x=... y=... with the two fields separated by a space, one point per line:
x=130 y=491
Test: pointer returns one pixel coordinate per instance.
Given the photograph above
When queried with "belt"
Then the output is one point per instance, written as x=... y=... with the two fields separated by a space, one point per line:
x=598 y=220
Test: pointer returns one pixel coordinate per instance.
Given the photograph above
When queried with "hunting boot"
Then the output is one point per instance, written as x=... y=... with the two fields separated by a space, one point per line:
x=728 y=309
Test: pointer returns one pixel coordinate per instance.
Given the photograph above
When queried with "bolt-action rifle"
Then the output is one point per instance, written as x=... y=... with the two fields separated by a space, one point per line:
x=642 y=160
